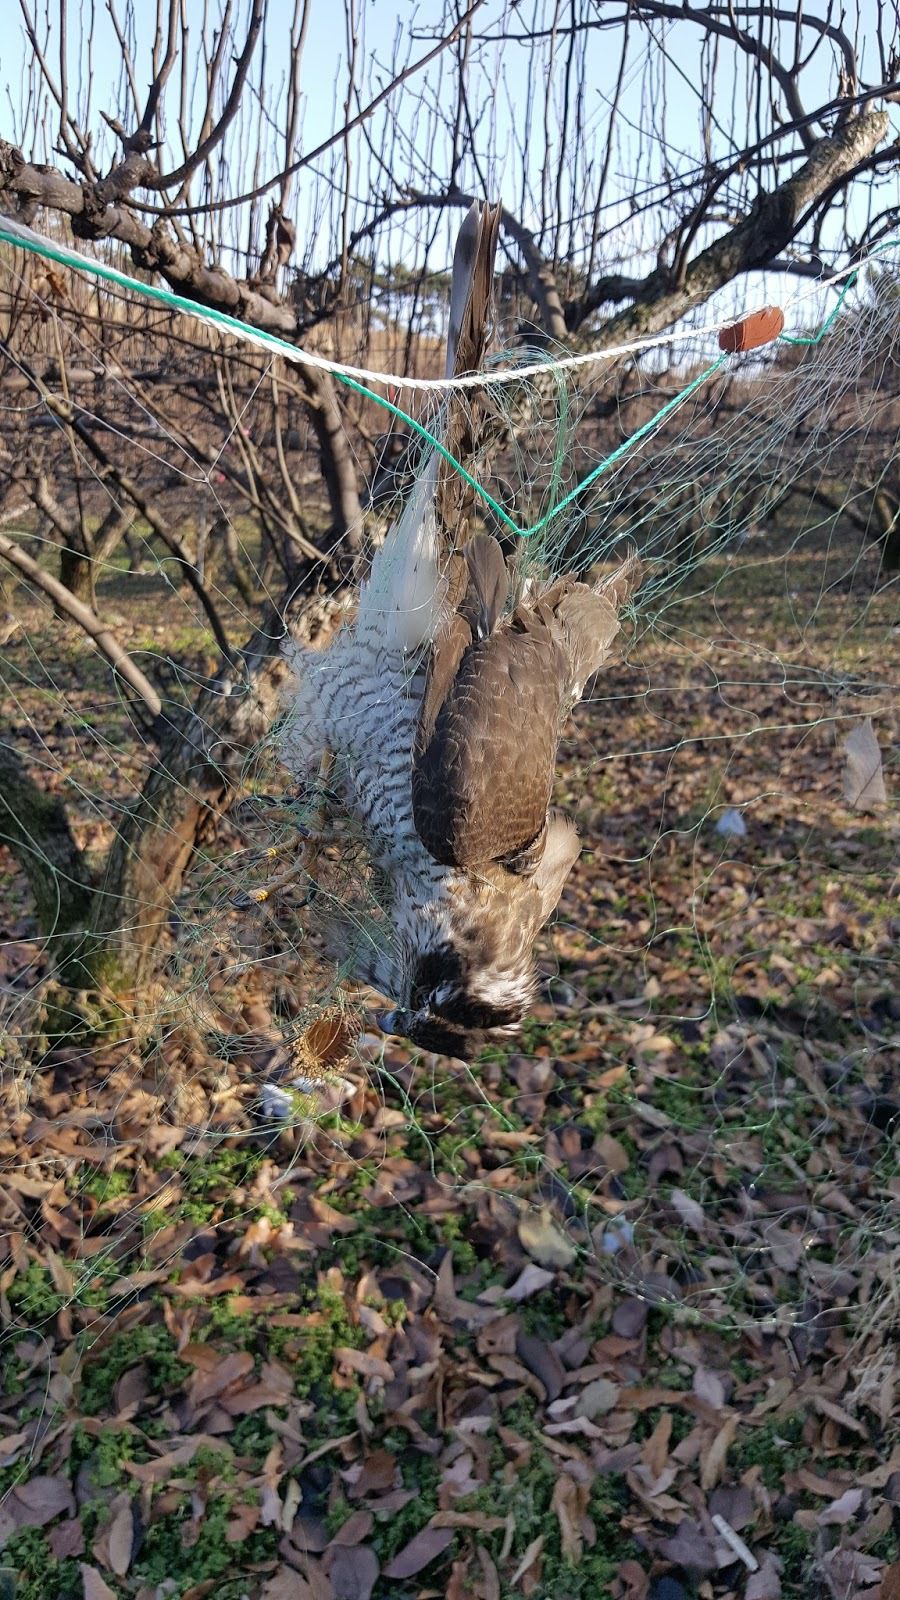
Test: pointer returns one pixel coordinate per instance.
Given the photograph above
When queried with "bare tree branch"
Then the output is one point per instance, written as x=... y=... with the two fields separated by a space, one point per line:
x=306 y=160
x=87 y=620
x=23 y=188
x=111 y=472
x=758 y=238
x=242 y=67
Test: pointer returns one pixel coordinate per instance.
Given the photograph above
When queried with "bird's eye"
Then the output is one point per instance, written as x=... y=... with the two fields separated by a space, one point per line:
x=437 y=999
x=422 y=999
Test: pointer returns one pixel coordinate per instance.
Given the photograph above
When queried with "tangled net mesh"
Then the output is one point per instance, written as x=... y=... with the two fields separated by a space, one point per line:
x=722 y=954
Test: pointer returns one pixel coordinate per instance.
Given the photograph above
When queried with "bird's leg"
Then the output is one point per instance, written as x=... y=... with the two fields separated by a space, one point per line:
x=311 y=841
x=317 y=834
x=258 y=897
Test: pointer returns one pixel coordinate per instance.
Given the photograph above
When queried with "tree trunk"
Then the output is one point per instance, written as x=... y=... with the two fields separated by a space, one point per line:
x=338 y=466
x=114 y=928
x=82 y=553
x=76 y=571
x=203 y=757
x=33 y=823
x=887 y=511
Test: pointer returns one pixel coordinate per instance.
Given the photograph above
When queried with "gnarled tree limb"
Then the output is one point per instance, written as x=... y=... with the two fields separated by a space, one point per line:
x=87 y=620
x=754 y=241
x=25 y=187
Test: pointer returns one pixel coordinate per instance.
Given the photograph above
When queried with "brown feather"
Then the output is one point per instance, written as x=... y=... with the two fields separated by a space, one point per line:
x=446 y=655
x=562 y=848
x=483 y=767
x=488 y=585
x=468 y=340
x=485 y=751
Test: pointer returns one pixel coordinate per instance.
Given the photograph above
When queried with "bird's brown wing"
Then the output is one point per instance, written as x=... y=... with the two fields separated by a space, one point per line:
x=443 y=665
x=486 y=745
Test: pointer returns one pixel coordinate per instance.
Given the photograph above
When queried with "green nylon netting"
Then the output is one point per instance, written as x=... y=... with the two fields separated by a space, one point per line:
x=762 y=494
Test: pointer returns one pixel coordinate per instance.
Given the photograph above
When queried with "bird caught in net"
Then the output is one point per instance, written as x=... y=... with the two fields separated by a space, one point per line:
x=441 y=706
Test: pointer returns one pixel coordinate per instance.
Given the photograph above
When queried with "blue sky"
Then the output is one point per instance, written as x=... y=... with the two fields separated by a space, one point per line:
x=503 y=80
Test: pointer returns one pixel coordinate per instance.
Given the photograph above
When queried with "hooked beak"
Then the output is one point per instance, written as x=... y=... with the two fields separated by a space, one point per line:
x=386 y=1021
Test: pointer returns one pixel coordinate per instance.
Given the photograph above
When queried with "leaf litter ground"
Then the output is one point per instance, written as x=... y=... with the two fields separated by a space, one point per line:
x=615 y=1313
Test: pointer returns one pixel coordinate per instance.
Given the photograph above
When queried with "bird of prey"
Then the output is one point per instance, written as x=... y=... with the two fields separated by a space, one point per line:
x=441 y=705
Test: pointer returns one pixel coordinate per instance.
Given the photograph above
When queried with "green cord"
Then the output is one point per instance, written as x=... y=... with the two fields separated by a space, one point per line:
x=625 y=446
x=283 y=347
x=388 y=405
x=828 y=324
x=604 y=466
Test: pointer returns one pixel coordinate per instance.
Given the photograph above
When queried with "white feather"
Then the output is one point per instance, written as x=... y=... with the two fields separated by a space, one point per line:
x=402 y=598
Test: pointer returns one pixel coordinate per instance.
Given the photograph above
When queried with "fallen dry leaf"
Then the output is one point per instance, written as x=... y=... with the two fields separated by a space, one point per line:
x=531 y=1556
x=765 y=1583
x=689 y=1547
x=285 y=1584
x=37 y=1502
x=863 y=773
x=708 y=1386
x=377 y=1471
x=544 y=1239
x=66 y=1539
x=531 y=1280
x=115 y=1543
x=842 y=1510
x=689 y=1210
x=597 y=1398
x=630 y=1318
x=890 y=1582
x=95 y=1586
x=713 y=1459
x=569 y=1502
x=655 y=1452
x=227 y=1372
x=489 y=1586
x=419 y=1553
x=356 y=1529
x=352 y=1571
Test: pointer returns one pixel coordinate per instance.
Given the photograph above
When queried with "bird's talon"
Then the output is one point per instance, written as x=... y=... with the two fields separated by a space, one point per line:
x=249 y=897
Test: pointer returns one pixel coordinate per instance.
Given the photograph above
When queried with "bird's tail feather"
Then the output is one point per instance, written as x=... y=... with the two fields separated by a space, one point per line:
x=404 y=599
x=590 y=618
x=469 y=334
x=471 y=290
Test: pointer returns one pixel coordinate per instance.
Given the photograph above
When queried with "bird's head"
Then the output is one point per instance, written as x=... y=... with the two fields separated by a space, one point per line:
x=455 y=1004
x=459 y=967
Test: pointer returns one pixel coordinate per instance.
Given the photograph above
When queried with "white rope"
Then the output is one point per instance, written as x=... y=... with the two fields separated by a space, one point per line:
x=37 y=243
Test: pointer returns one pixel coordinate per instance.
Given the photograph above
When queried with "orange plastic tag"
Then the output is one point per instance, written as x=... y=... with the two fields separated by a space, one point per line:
x=757 y=328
